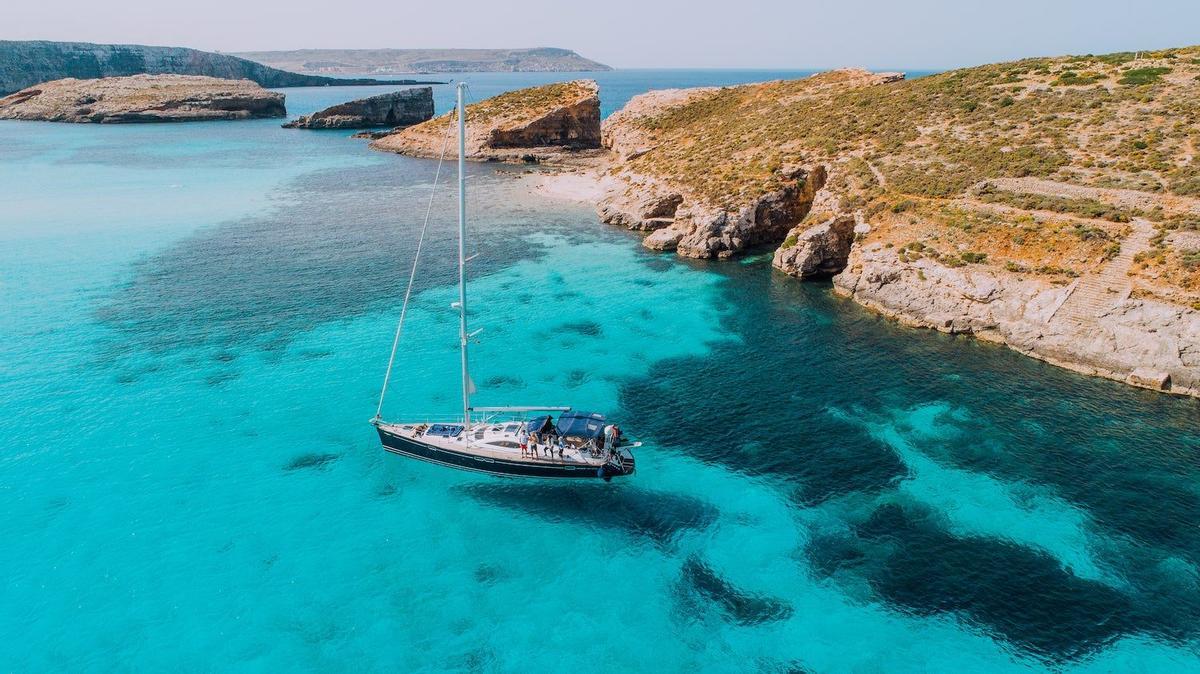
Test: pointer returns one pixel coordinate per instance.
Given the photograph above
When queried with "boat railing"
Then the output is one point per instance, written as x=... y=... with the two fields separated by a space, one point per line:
x=444 y=418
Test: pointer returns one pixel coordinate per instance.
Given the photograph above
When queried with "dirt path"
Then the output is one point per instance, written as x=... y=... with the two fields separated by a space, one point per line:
x=1120 y=197
x=878 y=175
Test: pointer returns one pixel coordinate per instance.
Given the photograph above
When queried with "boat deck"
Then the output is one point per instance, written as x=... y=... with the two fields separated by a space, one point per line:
x=496 y=441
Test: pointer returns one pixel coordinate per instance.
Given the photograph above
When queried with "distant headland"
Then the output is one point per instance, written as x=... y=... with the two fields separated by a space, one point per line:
x=26 y=63
x=381 y=61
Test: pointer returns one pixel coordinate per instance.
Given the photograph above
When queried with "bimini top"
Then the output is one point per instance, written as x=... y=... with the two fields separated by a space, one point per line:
x=581 y=424
x=543 y=424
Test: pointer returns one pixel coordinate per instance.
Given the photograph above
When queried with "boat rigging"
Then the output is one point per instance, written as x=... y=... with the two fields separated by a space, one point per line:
x=508 y=441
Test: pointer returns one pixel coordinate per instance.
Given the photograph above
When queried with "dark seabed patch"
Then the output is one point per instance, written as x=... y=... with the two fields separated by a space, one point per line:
x=219 y=378
x=586 y=328
x=741 y=607
x=314 y=461
x=331 y=248
x=488 y=574
x=504 y=381
x=762 y=405
x=1017 y=593
x=315 y=354
x=657 y=516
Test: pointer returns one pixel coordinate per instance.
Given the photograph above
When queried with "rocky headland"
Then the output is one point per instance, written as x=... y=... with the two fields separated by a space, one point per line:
x=26 y=63
x=1051 y=205
x=349 y=61
x=554 y=122
x=143 y=98
x=396 y=109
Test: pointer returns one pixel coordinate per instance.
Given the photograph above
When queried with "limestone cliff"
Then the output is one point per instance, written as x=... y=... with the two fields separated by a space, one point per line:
x=397 y=109
x=535 y=124
x=695 y=148
x=142 y=98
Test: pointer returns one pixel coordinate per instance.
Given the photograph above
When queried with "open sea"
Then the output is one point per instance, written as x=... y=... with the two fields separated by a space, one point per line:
x=194 y=325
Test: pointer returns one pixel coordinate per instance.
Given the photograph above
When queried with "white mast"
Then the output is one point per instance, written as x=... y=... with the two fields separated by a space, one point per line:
x=462 y=235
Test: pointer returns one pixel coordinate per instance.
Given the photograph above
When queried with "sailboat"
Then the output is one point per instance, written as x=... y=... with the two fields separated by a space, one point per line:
x=535 y=442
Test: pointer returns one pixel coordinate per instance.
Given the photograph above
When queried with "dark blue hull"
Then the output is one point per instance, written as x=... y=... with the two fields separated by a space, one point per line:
x=445 y=457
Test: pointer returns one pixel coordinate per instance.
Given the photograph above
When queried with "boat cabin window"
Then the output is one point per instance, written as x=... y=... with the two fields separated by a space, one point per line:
x=511 y=428
x=445 y=430
x=505 y=443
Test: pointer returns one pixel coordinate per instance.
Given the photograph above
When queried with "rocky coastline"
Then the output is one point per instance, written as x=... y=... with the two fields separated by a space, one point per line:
x=945 y=203
x=396 y=109
x=143 y=98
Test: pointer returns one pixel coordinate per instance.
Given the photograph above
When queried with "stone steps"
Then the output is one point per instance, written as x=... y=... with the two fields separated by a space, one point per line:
x=1096 y=293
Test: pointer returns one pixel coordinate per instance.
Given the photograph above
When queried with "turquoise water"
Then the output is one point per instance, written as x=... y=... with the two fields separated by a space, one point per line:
x=195 y=321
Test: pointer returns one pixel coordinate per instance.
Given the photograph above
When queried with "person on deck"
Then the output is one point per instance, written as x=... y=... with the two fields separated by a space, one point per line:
x=523 y=440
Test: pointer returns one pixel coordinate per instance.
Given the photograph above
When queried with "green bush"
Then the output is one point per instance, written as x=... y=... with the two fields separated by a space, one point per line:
x=1073 y=79
x=1142 y=76
x=1185 y=180
x=1086 y=233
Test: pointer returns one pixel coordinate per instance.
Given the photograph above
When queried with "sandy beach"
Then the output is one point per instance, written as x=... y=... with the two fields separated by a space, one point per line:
x=579 y=186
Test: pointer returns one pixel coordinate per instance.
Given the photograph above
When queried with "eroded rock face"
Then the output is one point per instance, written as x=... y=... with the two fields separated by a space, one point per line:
x=626 y=137
x=1141 y=342
x=641 y=205
x=396 y=109
x=143 y=98
x=699 y=230
x=528 y=125
x=818 y=251
x=575 y=124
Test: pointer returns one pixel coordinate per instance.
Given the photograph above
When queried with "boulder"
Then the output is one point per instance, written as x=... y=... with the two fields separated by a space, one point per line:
x=143 y=98
x=396 y=109
x=1149 y=378
x=818 y=251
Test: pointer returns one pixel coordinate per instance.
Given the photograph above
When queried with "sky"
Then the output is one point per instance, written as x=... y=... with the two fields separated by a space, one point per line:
x=800 y=34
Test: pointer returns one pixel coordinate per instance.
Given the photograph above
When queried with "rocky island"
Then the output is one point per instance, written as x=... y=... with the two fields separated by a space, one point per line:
x=397 y=109
x=1051 y=205
x=547 y=123
x=142 y=98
